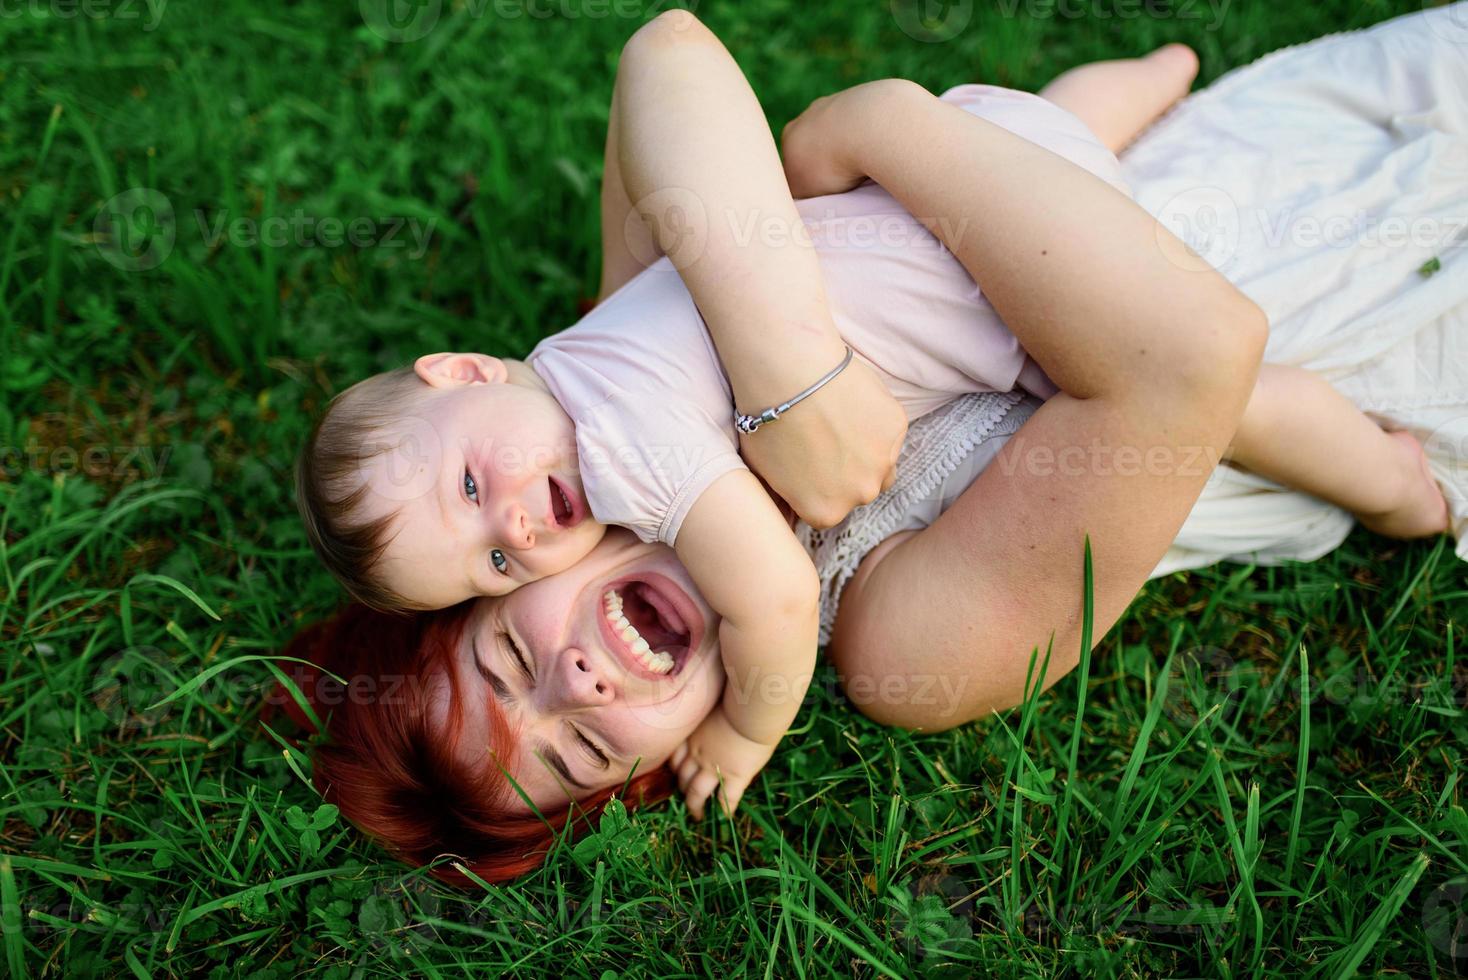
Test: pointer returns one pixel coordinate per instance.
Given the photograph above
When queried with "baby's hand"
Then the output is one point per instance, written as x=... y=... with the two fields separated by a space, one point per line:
x=716 y=750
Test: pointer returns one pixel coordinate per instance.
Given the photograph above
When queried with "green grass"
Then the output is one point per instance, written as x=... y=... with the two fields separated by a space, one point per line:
x=1289 y=804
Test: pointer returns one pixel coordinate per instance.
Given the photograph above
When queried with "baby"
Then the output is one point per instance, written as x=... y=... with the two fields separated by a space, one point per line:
x=469 y=475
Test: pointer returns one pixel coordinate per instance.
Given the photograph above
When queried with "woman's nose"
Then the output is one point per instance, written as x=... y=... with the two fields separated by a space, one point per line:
x=580 y=683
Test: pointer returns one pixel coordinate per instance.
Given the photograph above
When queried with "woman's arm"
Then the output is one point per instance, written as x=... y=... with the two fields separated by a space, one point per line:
x=692 y=149
x=1099 y=293
x=1155 y=360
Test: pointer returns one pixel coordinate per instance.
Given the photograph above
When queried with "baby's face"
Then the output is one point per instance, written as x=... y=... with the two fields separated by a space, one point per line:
x=483 y=481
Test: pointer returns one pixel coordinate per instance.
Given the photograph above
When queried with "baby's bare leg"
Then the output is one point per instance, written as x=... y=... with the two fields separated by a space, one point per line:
x=1299 y=431
x=1118 y=99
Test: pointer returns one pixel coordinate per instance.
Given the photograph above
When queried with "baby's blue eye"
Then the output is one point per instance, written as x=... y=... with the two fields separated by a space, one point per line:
x=471 y=489
x=498 y=560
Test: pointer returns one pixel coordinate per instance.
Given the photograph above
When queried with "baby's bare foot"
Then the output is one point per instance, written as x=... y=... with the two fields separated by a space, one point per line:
x=1423 y=511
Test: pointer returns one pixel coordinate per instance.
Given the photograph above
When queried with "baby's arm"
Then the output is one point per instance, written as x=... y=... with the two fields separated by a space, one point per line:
x=1301 y=432
x=748 y=565
x=697 y=163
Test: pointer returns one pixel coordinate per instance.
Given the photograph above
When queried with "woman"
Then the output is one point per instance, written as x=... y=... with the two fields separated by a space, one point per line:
x=387 y=764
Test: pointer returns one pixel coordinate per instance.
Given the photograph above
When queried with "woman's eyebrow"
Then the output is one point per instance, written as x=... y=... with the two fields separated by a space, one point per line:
x=501 y=689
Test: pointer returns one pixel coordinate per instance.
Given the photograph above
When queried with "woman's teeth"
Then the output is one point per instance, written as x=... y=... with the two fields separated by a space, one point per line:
x=657 y=661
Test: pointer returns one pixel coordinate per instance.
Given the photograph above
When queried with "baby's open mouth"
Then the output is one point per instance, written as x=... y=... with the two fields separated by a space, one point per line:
x=561 y=509
x=648 y=626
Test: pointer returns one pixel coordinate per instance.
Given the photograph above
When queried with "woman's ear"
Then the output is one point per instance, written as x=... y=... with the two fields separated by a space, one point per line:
x=449 y=370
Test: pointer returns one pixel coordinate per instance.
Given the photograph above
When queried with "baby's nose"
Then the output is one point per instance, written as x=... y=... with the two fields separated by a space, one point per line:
x=516 y=529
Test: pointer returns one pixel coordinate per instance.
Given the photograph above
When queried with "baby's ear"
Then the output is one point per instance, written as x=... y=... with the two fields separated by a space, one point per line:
x=449 y=370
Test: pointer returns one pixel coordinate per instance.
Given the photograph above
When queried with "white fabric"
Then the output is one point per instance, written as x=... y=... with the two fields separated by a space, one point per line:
x=943 y=453
x=1319 y=180
x=1300 y=177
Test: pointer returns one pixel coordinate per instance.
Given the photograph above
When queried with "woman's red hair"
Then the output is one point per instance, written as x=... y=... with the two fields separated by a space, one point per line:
x=396 y=775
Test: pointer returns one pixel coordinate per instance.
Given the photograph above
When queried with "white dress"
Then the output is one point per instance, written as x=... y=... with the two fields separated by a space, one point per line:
x=1325 y=181
x=1329 y=182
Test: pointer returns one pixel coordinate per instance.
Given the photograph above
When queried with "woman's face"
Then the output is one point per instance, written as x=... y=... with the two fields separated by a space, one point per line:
x=584 y=706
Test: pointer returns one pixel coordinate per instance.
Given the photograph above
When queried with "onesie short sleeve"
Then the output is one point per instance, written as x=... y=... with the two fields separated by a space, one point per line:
x=646 y=458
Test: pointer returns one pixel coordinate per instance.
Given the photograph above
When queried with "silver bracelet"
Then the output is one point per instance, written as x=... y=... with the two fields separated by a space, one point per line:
x=748 y=423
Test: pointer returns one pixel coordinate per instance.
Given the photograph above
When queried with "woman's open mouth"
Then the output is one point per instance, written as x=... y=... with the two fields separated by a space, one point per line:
x=650 y=625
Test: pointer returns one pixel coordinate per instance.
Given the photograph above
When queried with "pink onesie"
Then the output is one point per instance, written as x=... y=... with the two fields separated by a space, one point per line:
x=651 y=403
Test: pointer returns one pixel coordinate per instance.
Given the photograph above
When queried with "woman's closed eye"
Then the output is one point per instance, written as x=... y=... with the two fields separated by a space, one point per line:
x=598 y=757
x=521 y=661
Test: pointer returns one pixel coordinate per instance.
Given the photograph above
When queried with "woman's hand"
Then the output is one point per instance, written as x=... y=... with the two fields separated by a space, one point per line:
x=822 y=145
